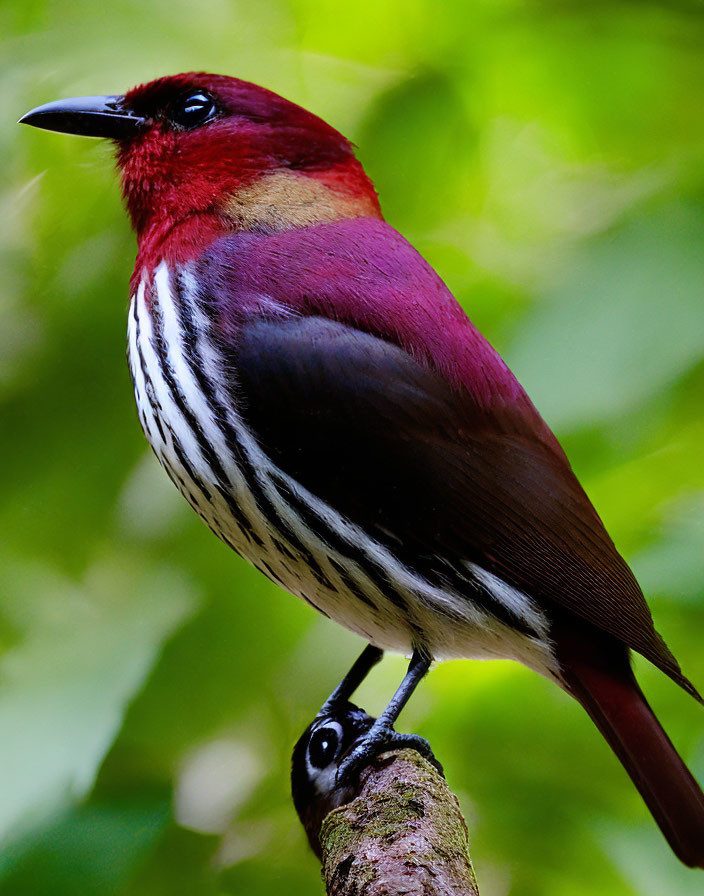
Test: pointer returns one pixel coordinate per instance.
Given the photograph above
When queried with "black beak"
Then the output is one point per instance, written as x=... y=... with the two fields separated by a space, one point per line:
x=88 y=116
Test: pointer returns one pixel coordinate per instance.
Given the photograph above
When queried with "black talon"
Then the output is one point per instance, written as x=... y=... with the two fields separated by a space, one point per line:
x=382 y=733
x=381 y=741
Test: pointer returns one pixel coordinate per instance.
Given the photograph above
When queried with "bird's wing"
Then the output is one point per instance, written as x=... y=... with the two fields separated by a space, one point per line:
x=387 y=442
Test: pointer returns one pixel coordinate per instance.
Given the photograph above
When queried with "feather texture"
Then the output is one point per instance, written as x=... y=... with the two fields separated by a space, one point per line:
x=365 y=381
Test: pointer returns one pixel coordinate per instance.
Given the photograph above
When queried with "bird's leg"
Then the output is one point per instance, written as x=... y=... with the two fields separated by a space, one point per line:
x=381 y=736
x=363 y=665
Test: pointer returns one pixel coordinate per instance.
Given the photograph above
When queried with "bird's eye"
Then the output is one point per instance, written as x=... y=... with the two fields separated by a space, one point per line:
x=193 y=109
x=324 y=745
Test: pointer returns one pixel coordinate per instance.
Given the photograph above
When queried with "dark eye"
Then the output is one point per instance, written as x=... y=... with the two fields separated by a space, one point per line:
x=324 y=745
x=193 y=109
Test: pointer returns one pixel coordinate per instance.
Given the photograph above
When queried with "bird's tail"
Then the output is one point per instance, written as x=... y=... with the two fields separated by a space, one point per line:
x=608 y=691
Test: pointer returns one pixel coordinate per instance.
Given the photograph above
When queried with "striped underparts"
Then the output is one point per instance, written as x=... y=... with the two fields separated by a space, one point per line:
x=188 y=408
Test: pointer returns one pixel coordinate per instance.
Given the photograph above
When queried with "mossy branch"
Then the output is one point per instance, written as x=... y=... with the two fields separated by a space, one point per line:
x=402 y=834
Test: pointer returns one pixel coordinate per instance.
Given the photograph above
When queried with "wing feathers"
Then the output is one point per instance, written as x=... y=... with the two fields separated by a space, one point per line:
x=387 y=442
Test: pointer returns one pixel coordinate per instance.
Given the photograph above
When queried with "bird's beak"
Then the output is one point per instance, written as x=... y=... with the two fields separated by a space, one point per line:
x=89 y=116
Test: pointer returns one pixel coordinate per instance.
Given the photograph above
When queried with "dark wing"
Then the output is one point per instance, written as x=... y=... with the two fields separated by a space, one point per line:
x=389 y=444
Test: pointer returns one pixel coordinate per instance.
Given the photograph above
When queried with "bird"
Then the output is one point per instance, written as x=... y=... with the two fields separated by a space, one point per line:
x=324 y=403
x=315 y=762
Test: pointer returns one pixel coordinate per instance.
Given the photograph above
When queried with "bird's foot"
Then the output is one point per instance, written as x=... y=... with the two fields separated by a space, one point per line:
x=378 y=740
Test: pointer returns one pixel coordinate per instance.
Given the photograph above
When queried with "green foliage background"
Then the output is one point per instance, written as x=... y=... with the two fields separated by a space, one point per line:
x=548 y=159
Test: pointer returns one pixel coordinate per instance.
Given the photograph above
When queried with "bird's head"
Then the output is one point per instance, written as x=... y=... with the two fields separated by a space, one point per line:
x=208 y=146
x=316 y=760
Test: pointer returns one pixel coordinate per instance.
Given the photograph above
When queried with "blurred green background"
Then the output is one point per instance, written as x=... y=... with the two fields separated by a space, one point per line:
x=548 y=159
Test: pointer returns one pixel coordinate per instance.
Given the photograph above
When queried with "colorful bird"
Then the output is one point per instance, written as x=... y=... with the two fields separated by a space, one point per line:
x=323 y=402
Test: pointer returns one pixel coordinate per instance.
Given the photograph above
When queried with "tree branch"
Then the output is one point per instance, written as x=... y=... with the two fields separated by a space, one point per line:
x=402 y=835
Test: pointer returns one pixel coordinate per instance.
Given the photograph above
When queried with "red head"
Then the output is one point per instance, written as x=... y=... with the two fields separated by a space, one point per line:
x=206 y=137
x=200 y=153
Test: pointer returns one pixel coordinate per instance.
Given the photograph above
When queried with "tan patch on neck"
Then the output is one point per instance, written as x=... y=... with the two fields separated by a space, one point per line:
x=283 y=200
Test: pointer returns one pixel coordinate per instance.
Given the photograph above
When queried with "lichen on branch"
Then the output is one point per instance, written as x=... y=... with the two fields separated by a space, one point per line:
x=402 y=834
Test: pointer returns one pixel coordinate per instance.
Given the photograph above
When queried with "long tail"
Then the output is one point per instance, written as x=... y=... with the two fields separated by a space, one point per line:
x=605 y=686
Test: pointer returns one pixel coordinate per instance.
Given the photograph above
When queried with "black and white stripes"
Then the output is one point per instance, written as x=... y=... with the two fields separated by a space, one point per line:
x=188 y=407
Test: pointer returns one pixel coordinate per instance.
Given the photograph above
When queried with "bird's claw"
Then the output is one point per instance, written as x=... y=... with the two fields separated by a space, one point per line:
x=380 y=741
